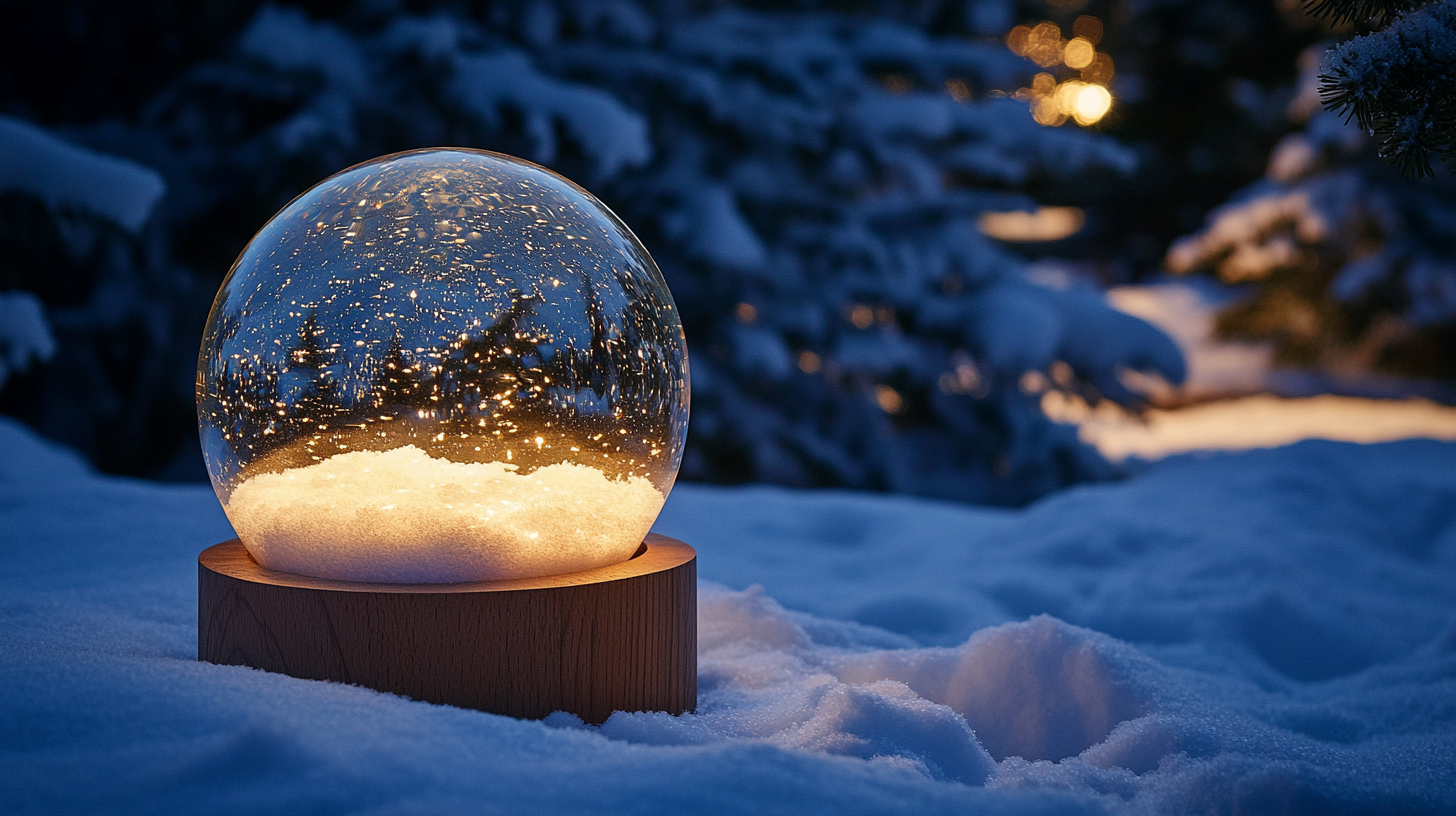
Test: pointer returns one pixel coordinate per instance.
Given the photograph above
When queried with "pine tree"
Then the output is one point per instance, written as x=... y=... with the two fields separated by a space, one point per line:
x=323 y=396
x=500 y=362
x=398 y=382
x=808 y=180
x=1396 y=82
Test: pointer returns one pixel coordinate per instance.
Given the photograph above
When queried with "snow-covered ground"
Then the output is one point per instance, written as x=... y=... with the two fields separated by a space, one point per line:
x=1263 y=421
x=1262 y=632
x=1185 y=310
x=1234 y=397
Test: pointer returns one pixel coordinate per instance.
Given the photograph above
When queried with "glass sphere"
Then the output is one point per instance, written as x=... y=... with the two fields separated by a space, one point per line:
x=442 y=366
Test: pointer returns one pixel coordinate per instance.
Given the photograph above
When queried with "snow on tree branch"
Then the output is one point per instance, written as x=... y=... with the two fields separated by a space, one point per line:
x=66 y=176
x=1399 y=84
x=25 y=337
x=1349 y=263
x=608 y=132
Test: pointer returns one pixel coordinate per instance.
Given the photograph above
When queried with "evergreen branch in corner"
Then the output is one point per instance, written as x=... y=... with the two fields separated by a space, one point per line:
x=1359 y=11
x=1399 y=84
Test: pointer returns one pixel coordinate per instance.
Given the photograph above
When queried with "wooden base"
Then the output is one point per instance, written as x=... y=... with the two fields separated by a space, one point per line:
x=619 y=638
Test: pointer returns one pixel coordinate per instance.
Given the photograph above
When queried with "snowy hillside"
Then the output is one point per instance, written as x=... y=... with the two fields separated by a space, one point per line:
x=1270 y=632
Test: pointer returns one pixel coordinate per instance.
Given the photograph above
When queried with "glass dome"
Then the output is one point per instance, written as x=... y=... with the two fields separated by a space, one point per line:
x=441 y=366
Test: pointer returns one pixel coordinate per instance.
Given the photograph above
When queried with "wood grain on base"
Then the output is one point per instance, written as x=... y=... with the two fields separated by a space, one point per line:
x=618 y=638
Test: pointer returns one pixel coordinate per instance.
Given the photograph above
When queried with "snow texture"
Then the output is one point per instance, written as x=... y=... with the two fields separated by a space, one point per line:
x=25 y=336
x=69 y=177
x=481 y=84
x=1269 y=632
x=833 y=217
x=1372 y=61
x=1247 y=401
x=1185 y=310
x=286 y=39
x=611 y=134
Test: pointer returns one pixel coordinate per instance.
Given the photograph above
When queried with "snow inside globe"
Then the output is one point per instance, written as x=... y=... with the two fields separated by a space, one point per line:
x=443 y=366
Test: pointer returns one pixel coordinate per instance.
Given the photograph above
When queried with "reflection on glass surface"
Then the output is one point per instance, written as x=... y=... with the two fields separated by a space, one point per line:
x=443 y=365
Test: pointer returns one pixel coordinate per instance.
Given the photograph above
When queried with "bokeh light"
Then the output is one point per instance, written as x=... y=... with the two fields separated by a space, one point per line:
x=1090 y=103
x=1082 y=98
x=1079 y=53
x=889 y=399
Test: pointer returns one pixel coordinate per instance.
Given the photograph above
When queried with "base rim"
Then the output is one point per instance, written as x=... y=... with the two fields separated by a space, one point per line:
x=657 y=553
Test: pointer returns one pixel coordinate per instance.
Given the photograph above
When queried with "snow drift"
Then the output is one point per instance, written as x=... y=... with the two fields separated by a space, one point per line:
x=1268 y=632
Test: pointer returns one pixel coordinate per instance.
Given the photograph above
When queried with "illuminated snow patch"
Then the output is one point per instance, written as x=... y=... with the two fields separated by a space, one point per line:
x=402 y=516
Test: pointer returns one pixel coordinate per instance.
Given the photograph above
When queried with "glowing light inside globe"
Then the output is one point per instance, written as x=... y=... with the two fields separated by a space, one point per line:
x=442 y=366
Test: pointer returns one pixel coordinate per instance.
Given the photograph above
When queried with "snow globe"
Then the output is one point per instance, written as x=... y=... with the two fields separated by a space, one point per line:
x=442 y=397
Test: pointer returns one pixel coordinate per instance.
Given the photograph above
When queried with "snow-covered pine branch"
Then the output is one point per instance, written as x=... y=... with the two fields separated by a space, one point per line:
x=25 y=337
x=70 y=178
x=1360 y=11
x=879 y=340
x=70 y=181
x=1397 y=83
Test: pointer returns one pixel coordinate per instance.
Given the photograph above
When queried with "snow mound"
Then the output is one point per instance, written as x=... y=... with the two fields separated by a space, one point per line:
x=403 y=516
x=1267 y=632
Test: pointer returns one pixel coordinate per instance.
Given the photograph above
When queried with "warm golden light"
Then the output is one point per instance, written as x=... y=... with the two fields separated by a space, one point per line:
x=1099 y=71
x=1079 y=53
x=1042 y=44
x=1065 y=97
x=1085 y=100
x=1033 y=383
x=746 y=313
x=402 y=515
x=862 y=316
x=1045 y=224
x=963 y=378
x=1017 y=39
x=1091 y=103
x=889 y=399
x=809 y=362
